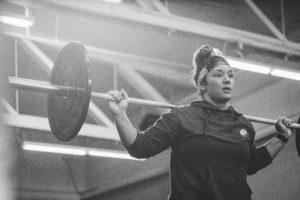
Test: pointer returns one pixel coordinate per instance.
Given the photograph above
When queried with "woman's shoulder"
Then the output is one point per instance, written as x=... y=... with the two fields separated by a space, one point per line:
x=188 y=110
x=186 y=107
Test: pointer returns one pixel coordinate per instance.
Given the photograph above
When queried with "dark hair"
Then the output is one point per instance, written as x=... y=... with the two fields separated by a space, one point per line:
x=205 y=56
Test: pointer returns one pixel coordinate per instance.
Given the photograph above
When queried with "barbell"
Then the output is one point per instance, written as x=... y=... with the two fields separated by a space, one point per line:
x=69 y=93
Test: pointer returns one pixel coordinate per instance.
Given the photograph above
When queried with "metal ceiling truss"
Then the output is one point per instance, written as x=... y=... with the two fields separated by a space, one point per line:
x=42 y=124
x=162 y=19
x=133 y=77
x=266 y=21
x=174 y=22
x=12 y=118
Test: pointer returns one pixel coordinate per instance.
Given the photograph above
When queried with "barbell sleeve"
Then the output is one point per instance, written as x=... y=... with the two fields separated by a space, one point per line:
x=42 y=86
x=47 y=87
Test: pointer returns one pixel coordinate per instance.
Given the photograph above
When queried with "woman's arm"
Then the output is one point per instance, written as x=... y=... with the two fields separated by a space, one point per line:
x=263 y=156
x=150 y=142
x=284 y=133
x=125 y=128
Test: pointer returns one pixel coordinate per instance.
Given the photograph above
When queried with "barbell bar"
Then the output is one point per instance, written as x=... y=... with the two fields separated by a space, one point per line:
x=69 y=93
x=47 y=87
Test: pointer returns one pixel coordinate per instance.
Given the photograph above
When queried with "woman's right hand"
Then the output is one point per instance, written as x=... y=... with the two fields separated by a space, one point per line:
x=120 y=105
x=283 y=127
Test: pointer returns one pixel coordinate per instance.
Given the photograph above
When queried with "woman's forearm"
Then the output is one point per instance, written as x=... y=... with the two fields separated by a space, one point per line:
x=125 y=129
x=275 y=146
x=284 y=133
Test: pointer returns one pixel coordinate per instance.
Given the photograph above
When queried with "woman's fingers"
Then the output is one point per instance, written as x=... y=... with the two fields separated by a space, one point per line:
x=120 y=102
x=117 y=95
x=124 y=94
x=285 y=121
x=283 y=126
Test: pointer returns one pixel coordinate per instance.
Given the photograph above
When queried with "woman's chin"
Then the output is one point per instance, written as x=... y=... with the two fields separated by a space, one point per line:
x=223 y=99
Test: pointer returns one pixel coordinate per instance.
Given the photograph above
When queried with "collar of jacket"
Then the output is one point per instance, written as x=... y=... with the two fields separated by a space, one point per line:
x=210 y=107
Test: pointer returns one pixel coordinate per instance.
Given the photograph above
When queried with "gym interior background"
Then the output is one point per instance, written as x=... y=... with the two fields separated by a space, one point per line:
x=145 y=47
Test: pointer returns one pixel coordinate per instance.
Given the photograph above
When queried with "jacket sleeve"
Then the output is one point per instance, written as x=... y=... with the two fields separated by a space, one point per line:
x=157 y=137
x=259 y=157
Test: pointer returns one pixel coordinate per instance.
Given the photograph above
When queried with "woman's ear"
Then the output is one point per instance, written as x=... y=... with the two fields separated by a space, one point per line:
x=202 y=87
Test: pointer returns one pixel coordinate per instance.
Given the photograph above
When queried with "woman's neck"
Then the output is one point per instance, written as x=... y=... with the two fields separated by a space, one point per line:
x=221 y=106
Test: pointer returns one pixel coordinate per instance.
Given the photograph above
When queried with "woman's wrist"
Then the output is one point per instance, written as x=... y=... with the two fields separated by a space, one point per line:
x=282 y=137
x=120 y=115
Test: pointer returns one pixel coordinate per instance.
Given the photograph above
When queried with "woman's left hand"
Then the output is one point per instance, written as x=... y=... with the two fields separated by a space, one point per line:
x=283 y=127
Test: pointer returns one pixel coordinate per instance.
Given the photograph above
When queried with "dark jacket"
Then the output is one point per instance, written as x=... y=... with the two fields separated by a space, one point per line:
x=212 y=151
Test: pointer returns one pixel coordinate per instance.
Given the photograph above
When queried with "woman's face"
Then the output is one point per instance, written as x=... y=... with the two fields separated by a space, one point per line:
x=219 y=84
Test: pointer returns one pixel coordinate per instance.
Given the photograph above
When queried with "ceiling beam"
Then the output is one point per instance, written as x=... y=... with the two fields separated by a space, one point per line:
x=42 y=124
x=145 y=4
x=8 y=107
x=174 y=22
x=163 y=69
x=266 y=20
x=161 y=7
x=141 y=85
x=132 y=77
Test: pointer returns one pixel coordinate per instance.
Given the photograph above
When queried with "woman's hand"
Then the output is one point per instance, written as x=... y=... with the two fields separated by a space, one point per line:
x=121 y=103
x=283 y=127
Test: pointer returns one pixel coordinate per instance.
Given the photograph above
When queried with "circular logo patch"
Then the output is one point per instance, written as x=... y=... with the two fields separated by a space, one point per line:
x=243 y=133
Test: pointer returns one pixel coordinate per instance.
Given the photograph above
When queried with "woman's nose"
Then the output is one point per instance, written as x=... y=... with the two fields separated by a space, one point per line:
x=226 y=80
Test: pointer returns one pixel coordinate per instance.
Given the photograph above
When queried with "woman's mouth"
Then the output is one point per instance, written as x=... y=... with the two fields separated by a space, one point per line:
x=227 y=89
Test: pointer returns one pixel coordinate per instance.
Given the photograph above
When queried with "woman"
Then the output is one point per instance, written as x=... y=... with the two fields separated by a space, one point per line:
x=212 y=145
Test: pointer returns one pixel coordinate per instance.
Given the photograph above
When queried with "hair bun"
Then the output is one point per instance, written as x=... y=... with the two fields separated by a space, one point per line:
x=206 y=56
x=205 y=51
x=202 y=54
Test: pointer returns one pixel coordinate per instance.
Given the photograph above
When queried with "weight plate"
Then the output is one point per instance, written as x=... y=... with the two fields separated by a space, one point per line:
x=67 y=113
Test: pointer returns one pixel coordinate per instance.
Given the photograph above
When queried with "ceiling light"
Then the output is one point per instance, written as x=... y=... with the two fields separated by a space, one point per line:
x=248 y=66
x=111 y=1
x=53 y=148
x=286 y=74
x=75 y=150
x=20 y=21
x=110 y=154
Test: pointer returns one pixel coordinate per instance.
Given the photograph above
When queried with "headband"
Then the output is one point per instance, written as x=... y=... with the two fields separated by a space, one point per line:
x=204 y=71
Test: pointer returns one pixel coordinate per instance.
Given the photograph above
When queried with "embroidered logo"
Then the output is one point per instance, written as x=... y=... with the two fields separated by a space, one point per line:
x=243 y=133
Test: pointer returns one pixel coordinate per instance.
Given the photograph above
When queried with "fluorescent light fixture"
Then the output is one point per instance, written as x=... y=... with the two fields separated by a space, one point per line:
x=19 y=21
x=248 y=66
x=74 y=150
x=110 y=154
x=111 y=1
x=53 y=148
x=286 y=74
x=254 y=67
